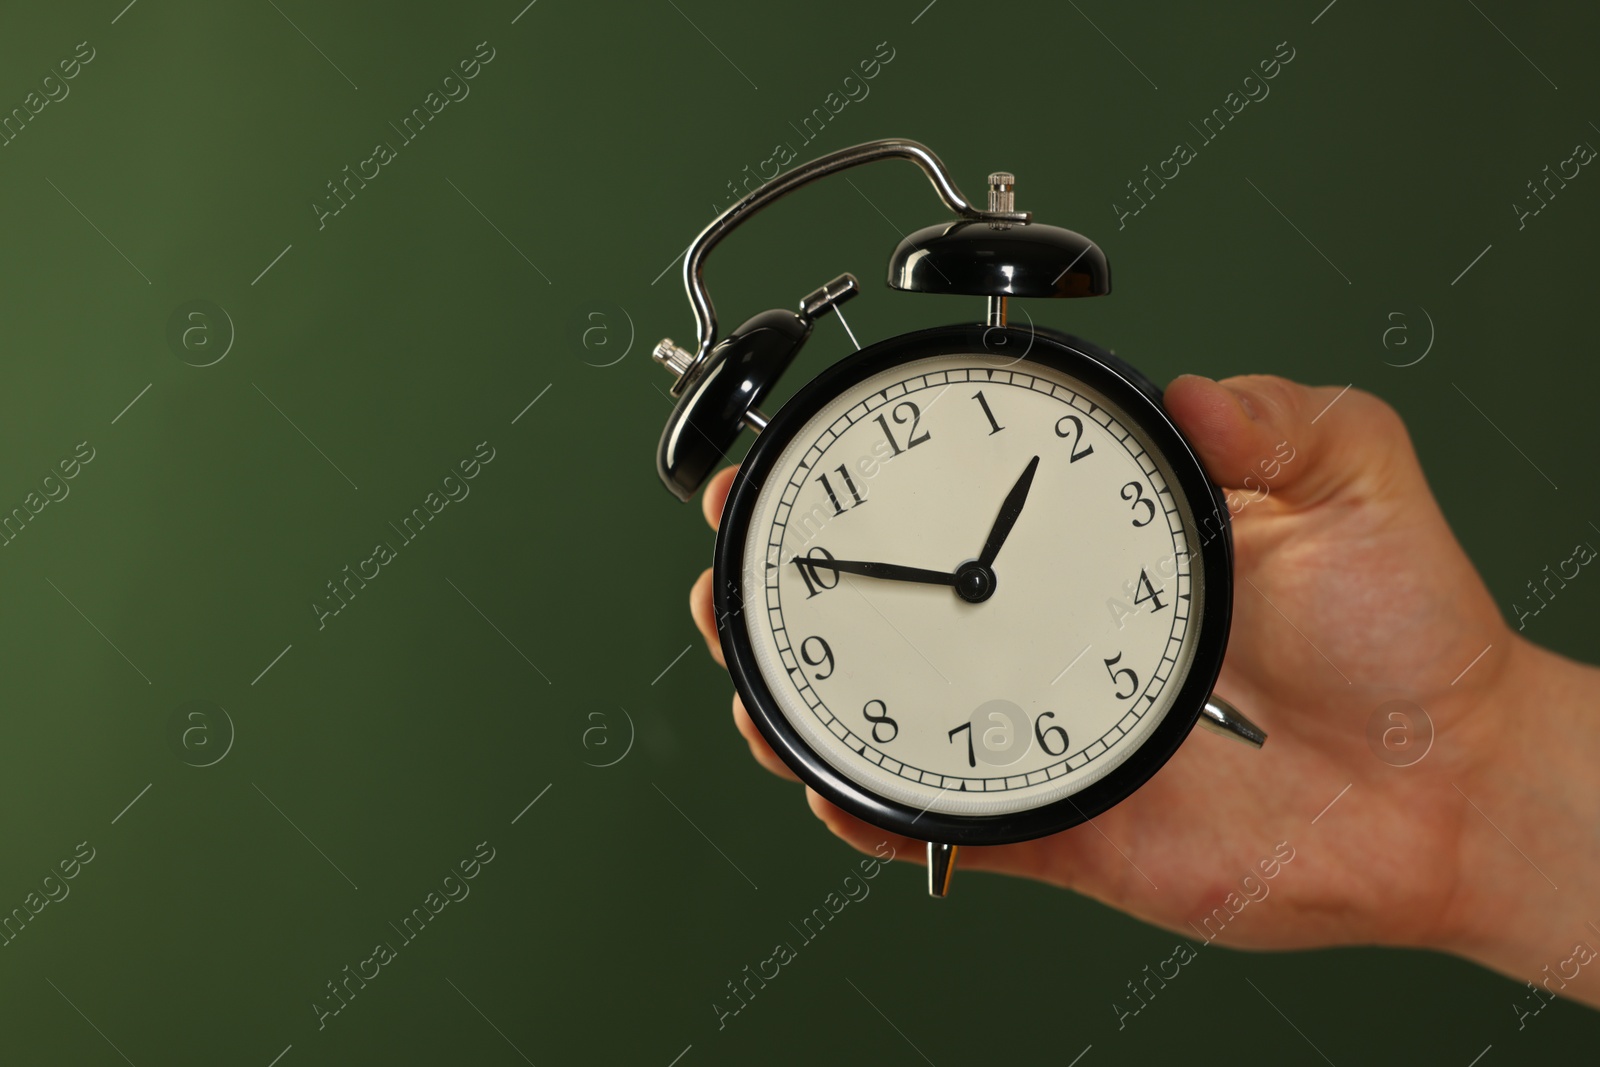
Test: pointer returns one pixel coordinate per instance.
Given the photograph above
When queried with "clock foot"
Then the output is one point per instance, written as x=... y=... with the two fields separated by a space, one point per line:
x=1221 y=717
x=941 y=865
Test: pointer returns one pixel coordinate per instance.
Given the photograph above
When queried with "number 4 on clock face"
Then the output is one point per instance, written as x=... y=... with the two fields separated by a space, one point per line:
x=1144 y=592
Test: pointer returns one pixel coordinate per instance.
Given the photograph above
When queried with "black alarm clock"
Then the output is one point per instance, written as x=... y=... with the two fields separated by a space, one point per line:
x=971 y=582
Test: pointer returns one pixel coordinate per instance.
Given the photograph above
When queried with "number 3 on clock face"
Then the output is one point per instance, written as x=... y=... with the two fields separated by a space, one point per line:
x=975 y=600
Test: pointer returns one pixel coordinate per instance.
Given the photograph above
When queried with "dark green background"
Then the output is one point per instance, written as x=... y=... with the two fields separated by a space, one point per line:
x=598 y=141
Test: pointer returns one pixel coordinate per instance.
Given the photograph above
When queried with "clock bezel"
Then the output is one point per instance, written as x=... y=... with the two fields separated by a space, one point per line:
x=1139 y=399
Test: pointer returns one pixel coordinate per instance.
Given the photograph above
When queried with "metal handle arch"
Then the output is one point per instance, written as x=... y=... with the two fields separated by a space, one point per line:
x=892 y=148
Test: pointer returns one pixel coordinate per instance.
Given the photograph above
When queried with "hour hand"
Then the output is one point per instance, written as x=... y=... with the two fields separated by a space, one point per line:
x=1010 y=508
x=891 y=571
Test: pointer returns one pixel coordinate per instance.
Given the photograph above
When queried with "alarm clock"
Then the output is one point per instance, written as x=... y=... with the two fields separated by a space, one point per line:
x=971 y=582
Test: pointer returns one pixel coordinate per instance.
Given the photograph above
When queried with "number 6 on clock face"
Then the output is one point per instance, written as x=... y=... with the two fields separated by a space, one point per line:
x=933 y=548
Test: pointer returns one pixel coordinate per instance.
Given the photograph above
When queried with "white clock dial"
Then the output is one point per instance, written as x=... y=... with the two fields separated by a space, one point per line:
x=939 y=702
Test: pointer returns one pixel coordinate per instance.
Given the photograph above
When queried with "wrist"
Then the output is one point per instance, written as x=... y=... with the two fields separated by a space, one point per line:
x=1528 y=862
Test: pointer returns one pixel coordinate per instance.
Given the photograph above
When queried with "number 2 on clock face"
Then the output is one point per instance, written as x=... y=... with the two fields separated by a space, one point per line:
x=987 y=701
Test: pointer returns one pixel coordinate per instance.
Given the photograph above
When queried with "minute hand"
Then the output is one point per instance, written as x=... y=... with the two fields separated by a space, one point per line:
x=889 y=571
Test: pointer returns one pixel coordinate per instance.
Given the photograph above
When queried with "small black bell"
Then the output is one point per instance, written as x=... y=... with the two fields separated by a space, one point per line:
x=738 y=373
x=720 y=399
x=976 y=257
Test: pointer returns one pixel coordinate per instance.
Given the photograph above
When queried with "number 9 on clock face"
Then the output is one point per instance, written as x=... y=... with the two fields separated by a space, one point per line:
x=971 y=598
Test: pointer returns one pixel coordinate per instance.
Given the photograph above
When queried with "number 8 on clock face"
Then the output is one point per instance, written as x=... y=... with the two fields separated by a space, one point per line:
x=974 y=598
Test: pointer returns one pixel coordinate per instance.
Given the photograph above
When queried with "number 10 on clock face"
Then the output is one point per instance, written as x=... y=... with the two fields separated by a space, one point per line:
x=970 y=586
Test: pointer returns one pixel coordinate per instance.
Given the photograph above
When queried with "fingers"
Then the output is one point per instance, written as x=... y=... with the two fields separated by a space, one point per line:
x=1304 y=443
x=704 y=614
x=758 y=744
x=716 y=494
x=700 y=607
x=700 y=600
x=705 y=620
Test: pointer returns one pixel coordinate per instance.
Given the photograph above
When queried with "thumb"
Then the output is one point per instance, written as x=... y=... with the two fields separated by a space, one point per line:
x=1308 y=443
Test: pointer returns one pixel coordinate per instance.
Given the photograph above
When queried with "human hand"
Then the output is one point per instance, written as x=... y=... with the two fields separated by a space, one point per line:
x=1350 y=591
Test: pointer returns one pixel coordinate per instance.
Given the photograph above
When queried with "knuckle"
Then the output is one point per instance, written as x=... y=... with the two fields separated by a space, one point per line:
x=1375 y=410
x=1283 y=399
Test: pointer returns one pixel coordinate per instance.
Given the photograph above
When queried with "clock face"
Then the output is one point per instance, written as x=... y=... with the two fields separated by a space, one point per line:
x=1018 y=596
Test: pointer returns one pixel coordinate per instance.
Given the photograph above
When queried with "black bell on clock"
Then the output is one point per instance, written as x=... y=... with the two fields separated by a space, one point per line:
x=724 y=397
x=999 y=259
